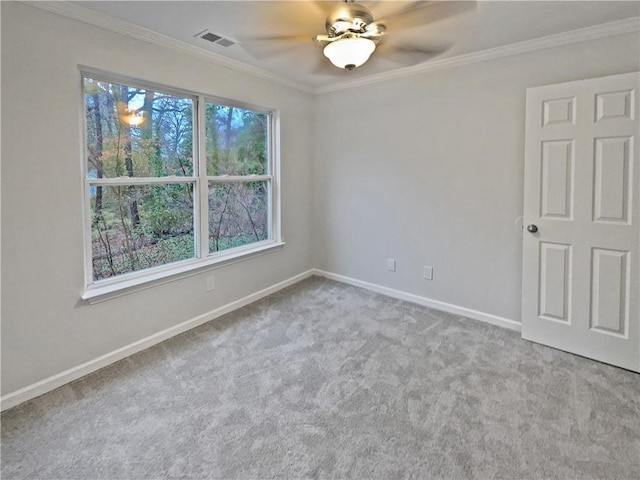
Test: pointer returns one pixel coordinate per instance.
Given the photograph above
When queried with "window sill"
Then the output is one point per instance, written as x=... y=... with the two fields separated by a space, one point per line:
x=111 y=288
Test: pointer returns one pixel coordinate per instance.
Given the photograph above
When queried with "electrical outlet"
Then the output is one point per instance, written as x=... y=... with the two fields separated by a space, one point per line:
x=211 y=283
x=428 y=272
x=391 y=264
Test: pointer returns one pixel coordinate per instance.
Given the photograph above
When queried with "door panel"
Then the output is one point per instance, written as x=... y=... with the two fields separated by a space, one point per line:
x=557 y=179
x=559 y=111
x=609 y=312
x=612 y=185
x=555 y=281
x=581 y=268
x=614 y=105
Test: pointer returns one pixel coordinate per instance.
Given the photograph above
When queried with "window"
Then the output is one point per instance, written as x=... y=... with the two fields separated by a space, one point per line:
x=238 y=174
x=174 y=181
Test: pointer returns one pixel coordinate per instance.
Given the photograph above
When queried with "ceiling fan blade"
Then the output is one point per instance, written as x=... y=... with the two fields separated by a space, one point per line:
x=408 y=54
x=282 y=38
x=274 y=45
x=322 y=65
x=324 y=38
x=375 y=29
x=420 y=13
x=323 y=7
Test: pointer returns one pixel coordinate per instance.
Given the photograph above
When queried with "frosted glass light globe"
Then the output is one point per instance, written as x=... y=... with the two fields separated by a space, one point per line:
x=350 y=52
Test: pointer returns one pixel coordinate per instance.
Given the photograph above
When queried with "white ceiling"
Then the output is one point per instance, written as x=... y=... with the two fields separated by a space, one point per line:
x=485 y=25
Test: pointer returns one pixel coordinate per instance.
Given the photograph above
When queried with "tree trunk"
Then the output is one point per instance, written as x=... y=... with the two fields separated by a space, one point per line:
x=227 y=167
x=147 y=133
x=128 y=161
x=97 y=115
x=228 y=129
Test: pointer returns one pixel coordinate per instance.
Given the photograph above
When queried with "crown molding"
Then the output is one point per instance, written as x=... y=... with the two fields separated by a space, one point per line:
x=76 y=12
x=619 y=27
x=122 y=27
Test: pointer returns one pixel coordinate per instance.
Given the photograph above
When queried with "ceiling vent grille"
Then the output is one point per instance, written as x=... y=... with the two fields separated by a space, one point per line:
x=215 y=38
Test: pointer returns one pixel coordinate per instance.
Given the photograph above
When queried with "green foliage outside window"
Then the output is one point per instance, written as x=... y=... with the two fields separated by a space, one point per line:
x=237 y=145
x=139 y=144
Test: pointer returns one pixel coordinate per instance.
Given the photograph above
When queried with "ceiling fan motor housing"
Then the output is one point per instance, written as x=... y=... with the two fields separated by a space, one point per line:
x=350 y=17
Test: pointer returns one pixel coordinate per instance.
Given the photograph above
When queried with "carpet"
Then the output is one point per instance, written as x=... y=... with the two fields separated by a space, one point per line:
x=326 y=380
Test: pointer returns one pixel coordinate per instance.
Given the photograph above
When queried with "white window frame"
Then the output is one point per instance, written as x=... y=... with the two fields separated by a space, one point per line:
x=96 y=290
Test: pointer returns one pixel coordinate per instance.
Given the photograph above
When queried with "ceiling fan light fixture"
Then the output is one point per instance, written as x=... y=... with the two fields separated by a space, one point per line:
x=350 y=52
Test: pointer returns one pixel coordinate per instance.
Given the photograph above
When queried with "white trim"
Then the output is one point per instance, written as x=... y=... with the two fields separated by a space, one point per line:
x=112 y=24
x=104 y=289
x=619 y=27
x=424 y=301
x=142 y=279
x=55 y=381
x=116 y=181
x=106 y=76
x=43 y=386
x=240 y=178
x=201 y=223
x=275 y=194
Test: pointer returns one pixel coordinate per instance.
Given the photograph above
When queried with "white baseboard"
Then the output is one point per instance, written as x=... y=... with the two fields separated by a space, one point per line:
x=55 y=381
x=427 y=302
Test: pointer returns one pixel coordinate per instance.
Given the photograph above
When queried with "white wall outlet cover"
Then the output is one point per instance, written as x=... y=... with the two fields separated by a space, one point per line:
x=428 y=273
x=391 y=264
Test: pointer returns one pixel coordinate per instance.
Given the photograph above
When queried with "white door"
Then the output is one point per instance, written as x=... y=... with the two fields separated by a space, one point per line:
x=581 y=268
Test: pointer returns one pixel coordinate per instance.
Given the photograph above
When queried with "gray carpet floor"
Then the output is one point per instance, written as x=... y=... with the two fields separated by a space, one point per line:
x=325 y=380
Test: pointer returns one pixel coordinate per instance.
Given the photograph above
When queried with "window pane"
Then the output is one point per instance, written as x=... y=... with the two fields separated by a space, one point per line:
x=132 y=132
x=237 y=141
x=238 y=214
x=141 y=226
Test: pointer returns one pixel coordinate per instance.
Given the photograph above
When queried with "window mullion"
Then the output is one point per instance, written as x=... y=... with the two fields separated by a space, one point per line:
x=140 y=181
x=274 y=171
x=244 y=208
x=88 y=252
x=203 y=184
x=240 y=178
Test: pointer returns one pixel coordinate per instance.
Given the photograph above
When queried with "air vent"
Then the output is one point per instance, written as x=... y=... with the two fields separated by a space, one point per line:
x=225 y=42
x=215 y=38
x=211 y=37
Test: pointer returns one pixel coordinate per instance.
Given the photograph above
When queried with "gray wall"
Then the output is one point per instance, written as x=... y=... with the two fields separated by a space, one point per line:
x=428 y=170
x=45 y=328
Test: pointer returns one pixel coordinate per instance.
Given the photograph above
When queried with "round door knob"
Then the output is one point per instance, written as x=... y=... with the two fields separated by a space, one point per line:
x=532 y=228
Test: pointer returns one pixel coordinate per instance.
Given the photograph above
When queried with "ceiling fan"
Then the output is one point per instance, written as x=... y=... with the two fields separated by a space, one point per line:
x=353 y=33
